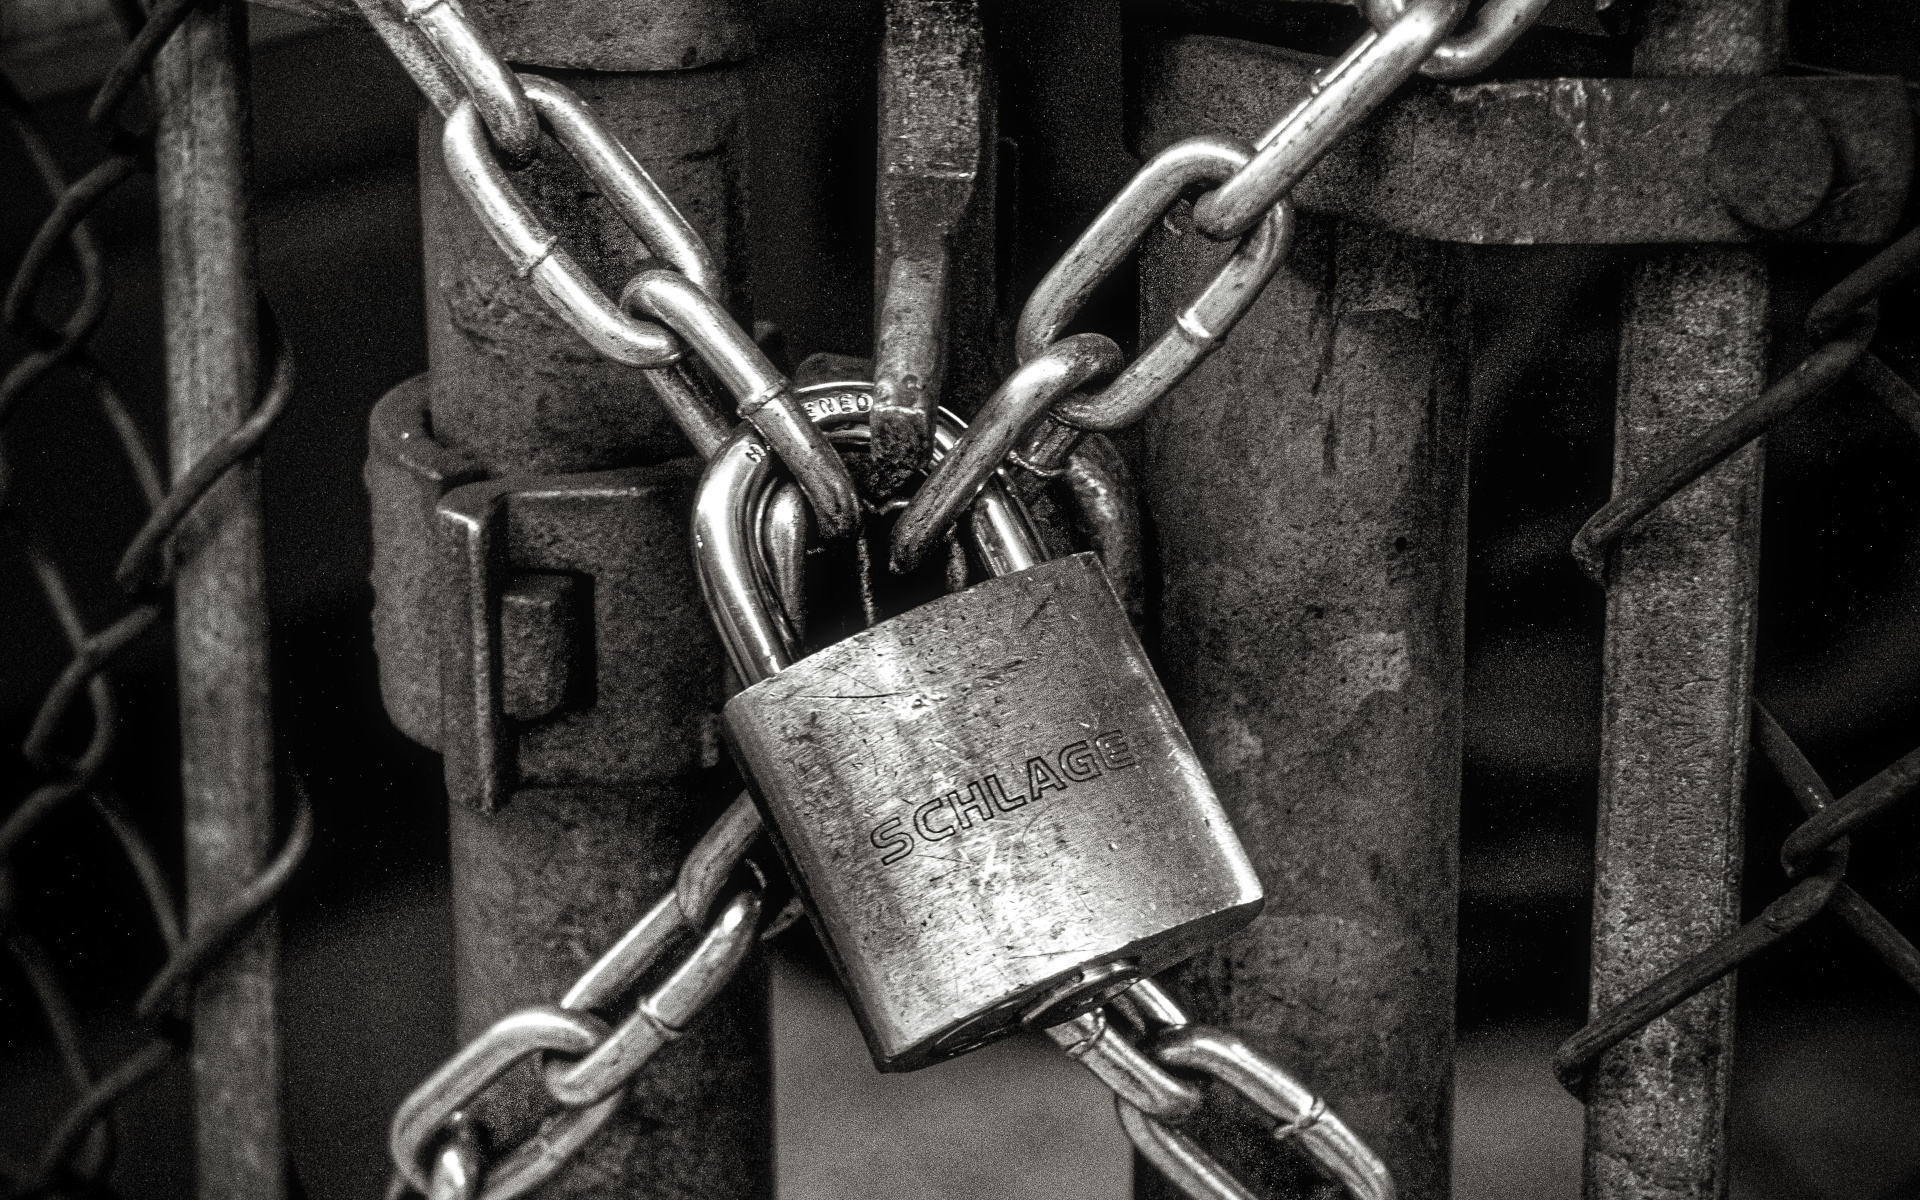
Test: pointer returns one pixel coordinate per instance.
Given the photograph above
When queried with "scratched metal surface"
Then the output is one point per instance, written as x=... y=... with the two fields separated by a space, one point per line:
x=952 y=902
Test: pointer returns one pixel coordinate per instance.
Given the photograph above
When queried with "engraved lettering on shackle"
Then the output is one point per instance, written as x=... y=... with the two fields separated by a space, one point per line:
x=984 y=798
x=834 y=404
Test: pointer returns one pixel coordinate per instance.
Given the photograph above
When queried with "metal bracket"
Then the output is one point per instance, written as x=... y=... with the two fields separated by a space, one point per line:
x=933 y=257
x=518 y=620
x=559 y=591
x=407 y=472
x=1720 y=159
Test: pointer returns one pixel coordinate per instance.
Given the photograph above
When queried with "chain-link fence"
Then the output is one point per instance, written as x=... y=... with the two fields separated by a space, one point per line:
x=78 y=711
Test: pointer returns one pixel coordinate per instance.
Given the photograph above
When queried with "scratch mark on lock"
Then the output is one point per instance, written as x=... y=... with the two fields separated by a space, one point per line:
x=1033 y=614
x=993 y=853
x=870 y=694
x=846 y=695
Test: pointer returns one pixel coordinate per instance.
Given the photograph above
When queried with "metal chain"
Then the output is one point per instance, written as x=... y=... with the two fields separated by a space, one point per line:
x=490 y=109
x=588 y=1065
x=78 y=1154
x=1815 y=854
x=431 y=1139
x=1151 y=1100
x=1496 y=26
x=1031 y=424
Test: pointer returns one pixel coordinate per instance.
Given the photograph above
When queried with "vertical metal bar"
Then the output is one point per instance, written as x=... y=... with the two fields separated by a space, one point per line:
x=1306 y=489
x=551 y=877
x=933 y=250
x=1679 y=667
x=208 y=293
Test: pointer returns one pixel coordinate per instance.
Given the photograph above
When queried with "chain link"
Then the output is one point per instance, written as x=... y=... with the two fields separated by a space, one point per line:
x=589 y=1065
x=1494 y=29
x=1036 y=386
x=1247 y=202
x=1151 y=1100
x=492 y=86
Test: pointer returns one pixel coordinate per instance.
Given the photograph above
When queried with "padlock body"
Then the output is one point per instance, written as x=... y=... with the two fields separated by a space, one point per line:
x=986 y=799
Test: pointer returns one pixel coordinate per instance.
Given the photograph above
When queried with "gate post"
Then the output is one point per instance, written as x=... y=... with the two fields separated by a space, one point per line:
x=209 y=292
x=1306 y=488
x=593 y=818
x=1679 y=669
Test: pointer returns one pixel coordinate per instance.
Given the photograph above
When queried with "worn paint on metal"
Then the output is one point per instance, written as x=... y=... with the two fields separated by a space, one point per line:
x=1678 y=674
x=1305 y=488
x=934 y=254
x=1678 y=662
x=1556 y=161
x=592 y=35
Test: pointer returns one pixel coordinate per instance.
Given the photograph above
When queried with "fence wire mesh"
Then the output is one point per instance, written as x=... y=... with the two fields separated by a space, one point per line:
x=76 y=1158
x=1815 y=855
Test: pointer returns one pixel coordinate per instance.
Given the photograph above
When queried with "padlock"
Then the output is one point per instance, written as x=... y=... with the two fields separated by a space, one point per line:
x=987 y=803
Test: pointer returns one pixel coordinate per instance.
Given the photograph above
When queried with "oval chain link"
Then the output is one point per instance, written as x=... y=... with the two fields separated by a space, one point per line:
x=487 y=80
x=957 y=478
x=1151 y=1100
x=592 y=1065
x=1494 y=29
x=1248 y=202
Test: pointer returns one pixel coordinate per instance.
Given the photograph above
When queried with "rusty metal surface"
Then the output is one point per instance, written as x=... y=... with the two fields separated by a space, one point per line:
x=1678 y=662
x=641 y=707
x=553 y=875
x=633 y=35
x=209 y=297
x=1306 y=490
x=1562 y=161
x=934 y=255
x=510 y=383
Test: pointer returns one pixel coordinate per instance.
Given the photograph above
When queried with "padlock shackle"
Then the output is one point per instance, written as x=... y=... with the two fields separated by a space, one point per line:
x=731 y=496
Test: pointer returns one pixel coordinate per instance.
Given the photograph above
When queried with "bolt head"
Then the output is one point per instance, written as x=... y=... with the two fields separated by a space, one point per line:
x=1771 y=160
